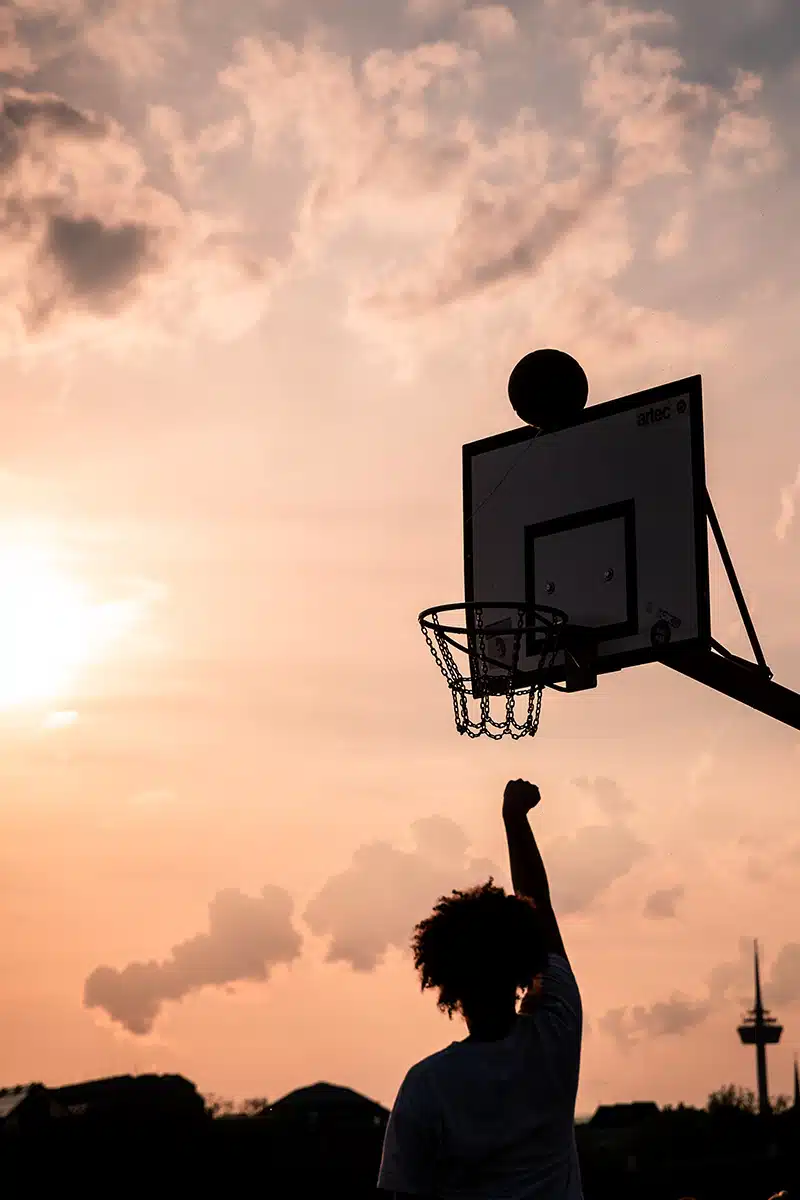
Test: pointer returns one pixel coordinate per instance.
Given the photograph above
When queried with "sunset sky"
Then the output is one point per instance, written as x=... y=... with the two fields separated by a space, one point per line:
x=267 y=266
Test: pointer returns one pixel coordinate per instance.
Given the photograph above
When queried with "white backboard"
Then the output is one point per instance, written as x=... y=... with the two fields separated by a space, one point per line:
x=605 y=519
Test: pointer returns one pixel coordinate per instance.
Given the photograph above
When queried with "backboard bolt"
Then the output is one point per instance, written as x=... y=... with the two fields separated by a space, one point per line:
x=549 y=588
x=609 y=575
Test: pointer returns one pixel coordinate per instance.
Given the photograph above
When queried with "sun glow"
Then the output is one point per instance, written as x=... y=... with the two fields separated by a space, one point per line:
x=49 y=627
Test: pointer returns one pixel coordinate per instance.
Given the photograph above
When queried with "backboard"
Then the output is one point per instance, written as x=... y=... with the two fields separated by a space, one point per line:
x=604 y=519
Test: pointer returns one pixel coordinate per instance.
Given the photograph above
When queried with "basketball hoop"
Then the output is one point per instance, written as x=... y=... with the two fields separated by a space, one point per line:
x=490 y=663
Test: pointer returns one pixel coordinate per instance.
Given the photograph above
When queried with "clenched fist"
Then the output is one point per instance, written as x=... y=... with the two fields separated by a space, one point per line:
x=520 y=797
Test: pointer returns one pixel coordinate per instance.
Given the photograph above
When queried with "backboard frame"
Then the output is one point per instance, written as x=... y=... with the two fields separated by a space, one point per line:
x=652 y=398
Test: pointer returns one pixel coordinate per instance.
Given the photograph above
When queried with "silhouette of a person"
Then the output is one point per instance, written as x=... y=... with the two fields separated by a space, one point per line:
x=494 y=1115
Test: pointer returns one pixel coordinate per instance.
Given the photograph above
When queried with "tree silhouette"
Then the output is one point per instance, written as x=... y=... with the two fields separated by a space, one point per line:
x=742 y=1100
x=218 y=1106
x=732 y=1097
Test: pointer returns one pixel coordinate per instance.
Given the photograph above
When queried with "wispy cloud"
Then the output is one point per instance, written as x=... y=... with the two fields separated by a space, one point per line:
x=16 y=59
x=789 y=498
x=665 y=1018
x=783 y=984
x=492 y=24
x=191 y=157
x=731 y=980
x=135 y=37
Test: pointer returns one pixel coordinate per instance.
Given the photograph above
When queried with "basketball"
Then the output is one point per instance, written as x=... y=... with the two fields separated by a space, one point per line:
x=548 y=389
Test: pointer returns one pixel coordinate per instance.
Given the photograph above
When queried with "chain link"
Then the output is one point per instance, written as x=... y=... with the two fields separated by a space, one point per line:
x=463 y=686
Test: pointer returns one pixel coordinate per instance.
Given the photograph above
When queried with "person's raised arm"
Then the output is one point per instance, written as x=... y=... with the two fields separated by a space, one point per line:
x=528 y=875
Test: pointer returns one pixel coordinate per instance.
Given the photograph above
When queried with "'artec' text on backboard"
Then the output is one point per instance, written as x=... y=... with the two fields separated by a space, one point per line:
x=651 y=415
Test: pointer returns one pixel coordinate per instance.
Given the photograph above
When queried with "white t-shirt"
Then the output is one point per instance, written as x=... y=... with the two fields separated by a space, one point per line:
x=495 y=1120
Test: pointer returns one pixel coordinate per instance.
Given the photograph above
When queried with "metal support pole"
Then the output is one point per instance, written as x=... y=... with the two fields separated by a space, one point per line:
x=741 y=603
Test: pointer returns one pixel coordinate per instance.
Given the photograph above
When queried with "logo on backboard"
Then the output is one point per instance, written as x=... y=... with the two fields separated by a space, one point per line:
x=654 y=415
x=660 y=412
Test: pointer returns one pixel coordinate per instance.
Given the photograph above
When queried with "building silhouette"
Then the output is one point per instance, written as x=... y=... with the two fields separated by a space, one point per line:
x=327 y=1103
x=24 y=1109
x=121 y=1102
x=759 y=1029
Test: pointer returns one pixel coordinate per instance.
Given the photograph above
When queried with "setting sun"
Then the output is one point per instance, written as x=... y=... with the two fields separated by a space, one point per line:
x=49 y=627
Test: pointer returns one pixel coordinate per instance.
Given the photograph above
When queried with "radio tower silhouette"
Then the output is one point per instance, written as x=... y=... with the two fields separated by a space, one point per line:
x=759 y=1029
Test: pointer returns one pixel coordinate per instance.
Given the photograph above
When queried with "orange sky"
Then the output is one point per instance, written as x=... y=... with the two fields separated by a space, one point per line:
x=264 y=276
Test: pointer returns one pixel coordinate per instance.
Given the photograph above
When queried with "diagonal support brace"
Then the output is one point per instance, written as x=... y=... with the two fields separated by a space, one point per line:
x=750 y=683
x=738 y=594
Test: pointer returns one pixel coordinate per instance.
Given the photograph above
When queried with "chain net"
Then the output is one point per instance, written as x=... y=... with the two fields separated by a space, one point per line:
x=488 y=699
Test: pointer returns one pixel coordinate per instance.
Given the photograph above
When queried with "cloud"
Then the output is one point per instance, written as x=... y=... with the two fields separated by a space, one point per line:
x=648 y=111
x=767 y=862
x=246 y=938
x=541 y=222
x=85 y=237
x=664 y=1018
x=500 y=238
x=780 y=983
x=584 y=865
x=16 y=59
x=743 y=145
x=191 y=157
x=363 y=131
x=673 y=238
x=765 y=34
x=661 y=904
x=454 y=188
x=459 y=189
x=97 y=263
x=135 y=37
x=376 y=901
x=737 y=973
x=423 y=11
x=783 y=984
x=491 y=23
x=789 y=498
x=56 y=165
x=727 y=981
x=607 y=794
x=441 y=840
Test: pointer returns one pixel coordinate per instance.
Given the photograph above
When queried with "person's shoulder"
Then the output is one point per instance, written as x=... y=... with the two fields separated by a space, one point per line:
x=432 y=1063
x=418 y=1076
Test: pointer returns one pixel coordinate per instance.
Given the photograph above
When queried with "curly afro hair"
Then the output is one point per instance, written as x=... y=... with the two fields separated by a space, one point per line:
x=479 y=943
